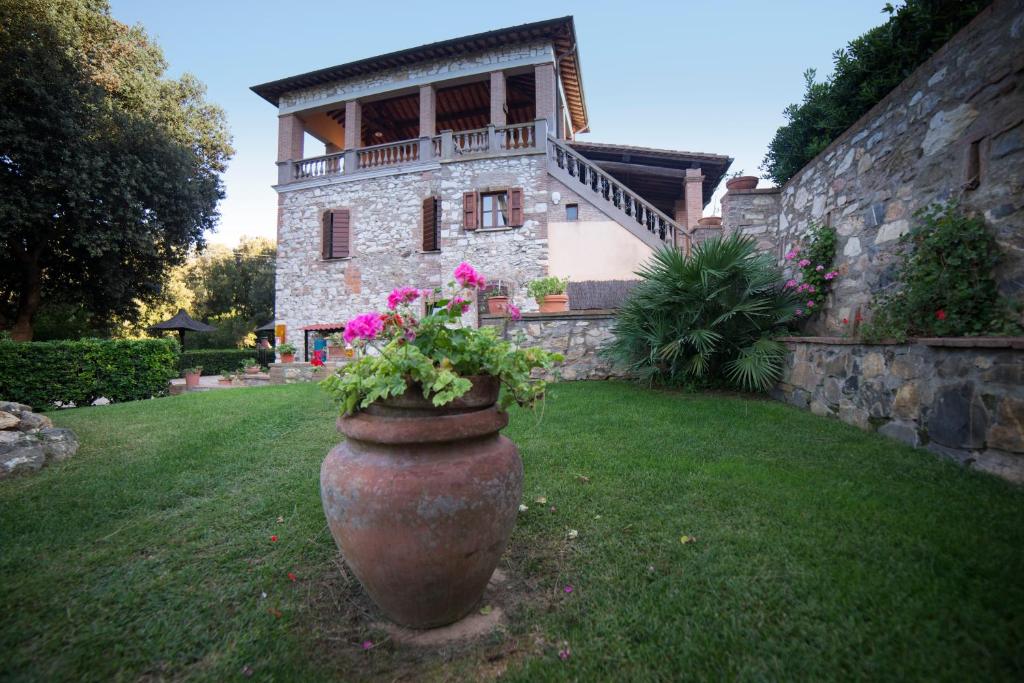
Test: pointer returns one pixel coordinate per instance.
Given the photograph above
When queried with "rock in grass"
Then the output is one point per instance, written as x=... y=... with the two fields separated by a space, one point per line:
x=8 y=421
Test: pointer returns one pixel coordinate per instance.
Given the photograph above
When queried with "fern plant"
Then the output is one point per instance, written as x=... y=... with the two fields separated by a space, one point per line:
x=705 y=319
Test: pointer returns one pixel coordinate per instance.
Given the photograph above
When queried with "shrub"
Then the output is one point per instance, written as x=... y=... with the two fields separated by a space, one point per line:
x=80 y=371
x=705 y=319
x=865 y=71
x=216 y=361
x=944 y=283
x=814 y=263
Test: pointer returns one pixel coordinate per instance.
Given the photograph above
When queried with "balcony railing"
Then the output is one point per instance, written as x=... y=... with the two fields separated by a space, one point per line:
x=491 y=141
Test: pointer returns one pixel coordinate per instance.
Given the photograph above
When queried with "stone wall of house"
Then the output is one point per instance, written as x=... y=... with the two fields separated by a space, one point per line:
x=434 y=70
x=386 y=225
x=962 y=398
x=578 y=335
x=914 y=148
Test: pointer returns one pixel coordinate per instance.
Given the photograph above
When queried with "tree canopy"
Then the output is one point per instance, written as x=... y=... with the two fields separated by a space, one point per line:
x=865 y=71
x=109 y=171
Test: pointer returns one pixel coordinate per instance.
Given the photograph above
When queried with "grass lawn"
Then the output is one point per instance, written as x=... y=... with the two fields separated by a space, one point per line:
x=822 y=552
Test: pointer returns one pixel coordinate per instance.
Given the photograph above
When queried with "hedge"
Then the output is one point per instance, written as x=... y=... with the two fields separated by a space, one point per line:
x=215 y=361
x=42 y=374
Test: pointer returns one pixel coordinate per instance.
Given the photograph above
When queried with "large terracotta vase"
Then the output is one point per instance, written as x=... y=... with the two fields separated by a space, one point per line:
x=422 y=501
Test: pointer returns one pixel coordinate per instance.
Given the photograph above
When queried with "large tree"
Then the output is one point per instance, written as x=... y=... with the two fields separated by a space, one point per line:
x=109 y=172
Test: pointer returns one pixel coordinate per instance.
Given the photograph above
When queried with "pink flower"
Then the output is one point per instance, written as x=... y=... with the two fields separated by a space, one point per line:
x=564 y=654
x=829 y=276
x=513 y=312
x=799 y=311
x=811 y=289
x=940 y=314
x=790 y=283
x=792 y=254
x=810 y=304
x=366 y=326
x=468 y=277
x=402 y=295
x=803 y=263
x=367 y=645
x=820 y=268
x=568 y=589
x=458 y=302
x=801 y=288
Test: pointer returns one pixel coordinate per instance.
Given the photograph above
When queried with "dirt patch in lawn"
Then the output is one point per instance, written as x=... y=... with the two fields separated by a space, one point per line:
x=350 y=636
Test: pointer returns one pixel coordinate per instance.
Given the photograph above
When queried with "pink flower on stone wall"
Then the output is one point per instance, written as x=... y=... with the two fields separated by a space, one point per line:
x=803 y=263
x=513 y=312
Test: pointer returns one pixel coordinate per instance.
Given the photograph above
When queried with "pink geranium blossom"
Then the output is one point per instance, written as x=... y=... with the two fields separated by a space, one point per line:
x=810 y=304
x=803 y=263
x=467 y=276
x=513 y=312
x=790 y=283
x=460 y=303
x=402 y=295
x=792 y=254
x=799 y=311
x=366 y=326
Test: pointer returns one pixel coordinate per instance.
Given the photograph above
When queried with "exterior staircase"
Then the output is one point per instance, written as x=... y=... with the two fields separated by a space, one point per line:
x=615 y=200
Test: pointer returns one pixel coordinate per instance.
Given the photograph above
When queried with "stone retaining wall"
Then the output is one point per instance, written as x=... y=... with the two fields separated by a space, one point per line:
x=578 y=335
x=960 y=397
x=960 y=114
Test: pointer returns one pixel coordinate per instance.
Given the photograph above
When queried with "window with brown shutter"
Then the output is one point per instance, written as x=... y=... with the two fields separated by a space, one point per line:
x=337 y=231
x=431 y=224
x=469 y=211
x=515 y=206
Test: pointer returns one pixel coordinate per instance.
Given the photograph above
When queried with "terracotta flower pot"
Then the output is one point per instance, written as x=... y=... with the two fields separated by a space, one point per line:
x=710 y=221
x=743 y=182
x=422 y=500
x=554 y=303
x=223 y=381
x=287 y=357
x=252 y=370
x=497 y=305
x=192 y=379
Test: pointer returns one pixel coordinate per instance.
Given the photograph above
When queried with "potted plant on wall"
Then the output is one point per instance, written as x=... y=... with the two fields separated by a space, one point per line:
x=549 y=293
x=497 y=303
x=335 y=346
x=192 y=376
x=738 y=181
x=422 y=494
x=287 y=352
x=225 y=378
x=250 y=367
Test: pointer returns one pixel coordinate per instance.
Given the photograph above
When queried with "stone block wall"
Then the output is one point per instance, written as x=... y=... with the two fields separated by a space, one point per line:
x=962 y=398
x=578 y=335
x=386 y=220
x=962 y=109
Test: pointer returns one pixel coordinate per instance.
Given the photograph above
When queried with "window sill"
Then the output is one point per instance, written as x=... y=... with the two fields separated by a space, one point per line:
x=335 y=260
x=432 y=251
x=507 y=228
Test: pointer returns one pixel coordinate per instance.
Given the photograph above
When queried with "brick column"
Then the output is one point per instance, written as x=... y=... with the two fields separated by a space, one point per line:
x=289 y=137
x=693 y=196
x=428 y=111
x=353 y=124
x=498 y=116
x=544 y=84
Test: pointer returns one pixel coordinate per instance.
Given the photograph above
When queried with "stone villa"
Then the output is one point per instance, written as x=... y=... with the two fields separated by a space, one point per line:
x=462 y=150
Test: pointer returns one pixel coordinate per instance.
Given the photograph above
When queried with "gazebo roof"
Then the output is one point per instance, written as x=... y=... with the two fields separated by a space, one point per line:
x=269 y=327
x=183 y=321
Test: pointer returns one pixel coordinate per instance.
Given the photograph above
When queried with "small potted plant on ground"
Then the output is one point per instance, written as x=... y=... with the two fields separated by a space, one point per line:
x=225 y=378
x=422 y=494
x=549 y=293
x=287 y=352
x=335 y=346
x=250 y=366
x=192 y=376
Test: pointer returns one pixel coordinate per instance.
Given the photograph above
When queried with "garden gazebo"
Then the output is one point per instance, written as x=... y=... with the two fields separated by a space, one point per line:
x=182 y=322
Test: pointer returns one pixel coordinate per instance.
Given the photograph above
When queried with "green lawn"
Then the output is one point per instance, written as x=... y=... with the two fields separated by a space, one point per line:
x=822 y=552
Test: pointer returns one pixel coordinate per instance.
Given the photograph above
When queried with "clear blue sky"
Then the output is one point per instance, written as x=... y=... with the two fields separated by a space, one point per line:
x=707 y=76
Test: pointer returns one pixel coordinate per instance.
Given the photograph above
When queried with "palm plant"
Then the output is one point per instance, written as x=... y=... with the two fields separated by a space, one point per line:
x=705 y=318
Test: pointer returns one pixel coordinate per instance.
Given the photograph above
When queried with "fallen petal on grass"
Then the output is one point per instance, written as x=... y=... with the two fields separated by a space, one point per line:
x=541 y=500
x=573 y=533
x=523 y=508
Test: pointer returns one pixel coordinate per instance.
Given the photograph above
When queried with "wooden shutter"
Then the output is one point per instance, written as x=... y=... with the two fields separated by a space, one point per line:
x=430 y=241
x=340 y=233
x=470 y=214
x=325 y=236
x=515 y=206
